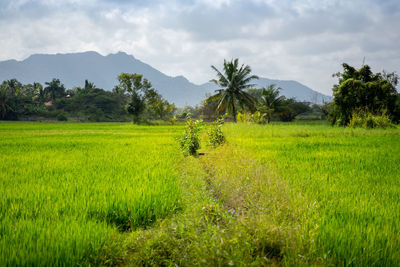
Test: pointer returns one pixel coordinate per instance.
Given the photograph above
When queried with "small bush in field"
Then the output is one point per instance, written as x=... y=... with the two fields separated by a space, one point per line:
x=62 y=117
x=172 y=120
x=365 y=119
x=215 y=135
x=243 y=117
x=190 y=141
x=258 y=117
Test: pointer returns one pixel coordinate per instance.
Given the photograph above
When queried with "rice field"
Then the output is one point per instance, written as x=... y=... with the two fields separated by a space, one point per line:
x=119 y=194
x=69 y=191
x=349 y=180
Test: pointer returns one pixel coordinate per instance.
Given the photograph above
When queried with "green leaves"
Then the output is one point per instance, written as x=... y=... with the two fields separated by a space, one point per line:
x=190 y=140
x=362 y=89
x=216 y=136
x=232 y=82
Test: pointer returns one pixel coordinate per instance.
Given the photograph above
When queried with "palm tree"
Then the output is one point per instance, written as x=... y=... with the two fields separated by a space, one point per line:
x=5 y=99
x=270 y=101
x=233 y=82
x=54 y=89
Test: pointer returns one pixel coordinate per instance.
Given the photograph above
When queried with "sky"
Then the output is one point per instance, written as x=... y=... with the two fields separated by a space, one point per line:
x=302 y=40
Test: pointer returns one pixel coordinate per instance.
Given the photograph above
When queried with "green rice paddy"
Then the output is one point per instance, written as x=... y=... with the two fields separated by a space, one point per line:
x=81 y=193
x=351 y=180
x=69 y=190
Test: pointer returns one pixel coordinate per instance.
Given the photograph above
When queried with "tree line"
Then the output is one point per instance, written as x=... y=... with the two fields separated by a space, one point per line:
x=361 y=98
x=359 y=94
x=134 y=97
x=238 y=97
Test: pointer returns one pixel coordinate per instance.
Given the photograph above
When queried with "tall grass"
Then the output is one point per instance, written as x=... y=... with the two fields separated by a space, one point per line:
x=349 y=180
x=280 y=194
x=69 y=190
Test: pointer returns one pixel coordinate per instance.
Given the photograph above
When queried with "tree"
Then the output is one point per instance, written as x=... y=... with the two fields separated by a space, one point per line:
x=95 y=104
x=12 y=99
x=188 y=111
x=135 y=107
x=54 y=89
x=136 y=86
x=233 y=83
x=89 y=85
x=39 y=92
x=207 y=108
x=270 y=101
x=292 y=108
x=363 y=90
x=5 y=101
x=157 y=106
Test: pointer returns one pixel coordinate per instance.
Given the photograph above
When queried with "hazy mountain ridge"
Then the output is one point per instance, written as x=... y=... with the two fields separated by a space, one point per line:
x=73 y=69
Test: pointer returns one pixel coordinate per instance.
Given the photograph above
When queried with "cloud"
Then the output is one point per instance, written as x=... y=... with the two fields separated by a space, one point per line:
x=299 y=40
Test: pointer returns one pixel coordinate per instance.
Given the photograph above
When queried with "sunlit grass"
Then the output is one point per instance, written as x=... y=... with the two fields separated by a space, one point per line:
x=350 y=179
x=68 y=190
x=281 y=194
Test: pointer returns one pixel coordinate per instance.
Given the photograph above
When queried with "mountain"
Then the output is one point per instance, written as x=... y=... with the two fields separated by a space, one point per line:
x=293 y=89
x=73 y=69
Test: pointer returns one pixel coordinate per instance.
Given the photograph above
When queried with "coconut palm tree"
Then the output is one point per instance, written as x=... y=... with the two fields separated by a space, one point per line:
x=270 y=101
x=54 y=89
x=5 y=98
x=233 y=81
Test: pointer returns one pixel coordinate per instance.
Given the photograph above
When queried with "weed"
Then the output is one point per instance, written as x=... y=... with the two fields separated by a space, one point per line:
x=365 y=119
x=216 y=136
x=190 y=140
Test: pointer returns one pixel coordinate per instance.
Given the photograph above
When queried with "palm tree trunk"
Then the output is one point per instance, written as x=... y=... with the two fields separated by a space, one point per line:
x=234 y=112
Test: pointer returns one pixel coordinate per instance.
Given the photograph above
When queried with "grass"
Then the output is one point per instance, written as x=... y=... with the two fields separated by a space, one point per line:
x=69 y=190
x=348 y=180
x=282 y=194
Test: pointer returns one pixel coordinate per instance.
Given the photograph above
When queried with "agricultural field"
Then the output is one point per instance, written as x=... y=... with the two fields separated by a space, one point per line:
x=70 y=191
x=346 y=183
x=119 y=194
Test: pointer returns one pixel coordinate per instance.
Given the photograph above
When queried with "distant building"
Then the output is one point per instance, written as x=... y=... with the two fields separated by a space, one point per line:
x=48 y=104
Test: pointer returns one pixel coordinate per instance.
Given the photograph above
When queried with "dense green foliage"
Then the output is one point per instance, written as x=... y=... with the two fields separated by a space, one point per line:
x=270 y=104
x=190 y=140
x=136 y=87
x=361 y=89
x=93 y=104
x=269 y=101
x=365 y=119
x=233 y=82
x=133 y=95
x=69 y=190
x=216 y=136
x=54 y=89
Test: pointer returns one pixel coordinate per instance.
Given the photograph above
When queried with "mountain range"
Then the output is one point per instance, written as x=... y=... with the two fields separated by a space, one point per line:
x=74 y=68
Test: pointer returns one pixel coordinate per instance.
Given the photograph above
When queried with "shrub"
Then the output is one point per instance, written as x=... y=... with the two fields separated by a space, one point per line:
x=62 y=117
x=172 y=120
x=243 y=117
x=190 y=141
x=258 y=117
x=365 y=119
x=215 y=135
